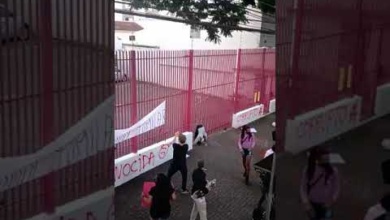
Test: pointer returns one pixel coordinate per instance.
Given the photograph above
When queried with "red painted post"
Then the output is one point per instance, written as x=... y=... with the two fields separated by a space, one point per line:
x=133 y=89
x=189 y=92
x=296 y=48
x=288 y=106
x=264 y=80
x=237 y=81
x=47 y=117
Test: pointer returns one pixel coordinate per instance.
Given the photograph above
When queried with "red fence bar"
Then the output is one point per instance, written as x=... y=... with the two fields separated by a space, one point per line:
x=296 y=48
x=47 y=99
x=237 y=80
x=189 y=95
x=133 y=87
x=263 y=78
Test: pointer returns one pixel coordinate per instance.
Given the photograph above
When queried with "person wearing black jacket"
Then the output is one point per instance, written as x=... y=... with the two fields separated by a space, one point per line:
x=199 y=190
x=179 y=160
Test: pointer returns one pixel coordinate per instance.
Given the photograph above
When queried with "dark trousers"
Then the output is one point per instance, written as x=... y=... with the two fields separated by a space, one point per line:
x=173 y=168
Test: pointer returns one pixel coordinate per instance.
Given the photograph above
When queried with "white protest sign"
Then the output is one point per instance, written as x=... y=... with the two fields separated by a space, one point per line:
x=315 y=127
x=247 y=116
x=154 y=119
x=90 y=135
x=133 y=165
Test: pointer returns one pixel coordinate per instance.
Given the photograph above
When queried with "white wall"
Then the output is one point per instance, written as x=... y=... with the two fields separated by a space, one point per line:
x=176 y=36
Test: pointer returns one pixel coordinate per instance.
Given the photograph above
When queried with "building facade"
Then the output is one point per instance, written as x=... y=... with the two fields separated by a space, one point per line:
x=167 y=35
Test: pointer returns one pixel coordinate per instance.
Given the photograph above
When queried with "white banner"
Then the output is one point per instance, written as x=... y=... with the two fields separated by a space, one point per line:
x=132 y=165
x=315 y=127
x=154 y=119
x=247 y=116
x=90 y=135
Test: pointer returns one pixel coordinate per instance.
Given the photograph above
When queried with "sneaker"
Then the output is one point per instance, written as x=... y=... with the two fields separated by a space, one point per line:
x=185 y=192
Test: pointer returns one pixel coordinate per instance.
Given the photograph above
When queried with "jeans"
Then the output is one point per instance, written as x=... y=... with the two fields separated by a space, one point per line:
x=199 y=207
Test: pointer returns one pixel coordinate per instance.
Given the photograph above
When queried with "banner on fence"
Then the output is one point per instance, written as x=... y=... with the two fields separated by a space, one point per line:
x=382 y=100
x=320 y=125
x=154 y=119
x=133 y=165
x=247 y=116
x=272 y=106
x=90 y=135
x=96 y=206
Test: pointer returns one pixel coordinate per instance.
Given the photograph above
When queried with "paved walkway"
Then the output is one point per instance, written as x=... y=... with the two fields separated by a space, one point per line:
x=230 y=200
x=361 y=175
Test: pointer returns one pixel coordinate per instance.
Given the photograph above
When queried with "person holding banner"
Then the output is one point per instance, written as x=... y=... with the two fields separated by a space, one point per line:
x=179 y=160
x=246 y=143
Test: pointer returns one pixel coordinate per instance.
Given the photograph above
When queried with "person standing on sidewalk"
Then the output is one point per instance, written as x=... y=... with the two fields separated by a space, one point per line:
x=246 y=143
x=160 y=197
x=199 y=190
x=320 y=185
x=179 y=161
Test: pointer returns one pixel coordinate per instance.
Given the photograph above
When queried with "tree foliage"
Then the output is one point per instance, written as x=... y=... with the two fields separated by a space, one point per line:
x=226 y=13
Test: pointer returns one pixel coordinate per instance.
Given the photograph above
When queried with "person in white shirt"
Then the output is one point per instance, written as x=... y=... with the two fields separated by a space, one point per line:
x=200 y=135
x=380 y=211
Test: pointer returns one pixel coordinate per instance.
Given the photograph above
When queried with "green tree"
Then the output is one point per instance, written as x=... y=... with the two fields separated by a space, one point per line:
x=222 y=16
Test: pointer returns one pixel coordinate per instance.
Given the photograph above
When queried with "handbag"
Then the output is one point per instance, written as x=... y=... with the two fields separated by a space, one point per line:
x=198 y=197
x=145 y=194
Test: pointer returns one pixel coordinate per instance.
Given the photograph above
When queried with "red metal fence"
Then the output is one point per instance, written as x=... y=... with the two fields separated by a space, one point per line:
x=323 y=43
x=199 y=87
x=56 y=66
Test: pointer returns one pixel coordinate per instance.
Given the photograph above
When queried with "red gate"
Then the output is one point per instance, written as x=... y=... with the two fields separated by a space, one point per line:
x=329 y=50
x=199 y=87
x=56 y=67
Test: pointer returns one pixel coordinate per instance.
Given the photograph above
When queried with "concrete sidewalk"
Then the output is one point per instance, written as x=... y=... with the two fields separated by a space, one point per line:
x=361 y=184
x=230 y=200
